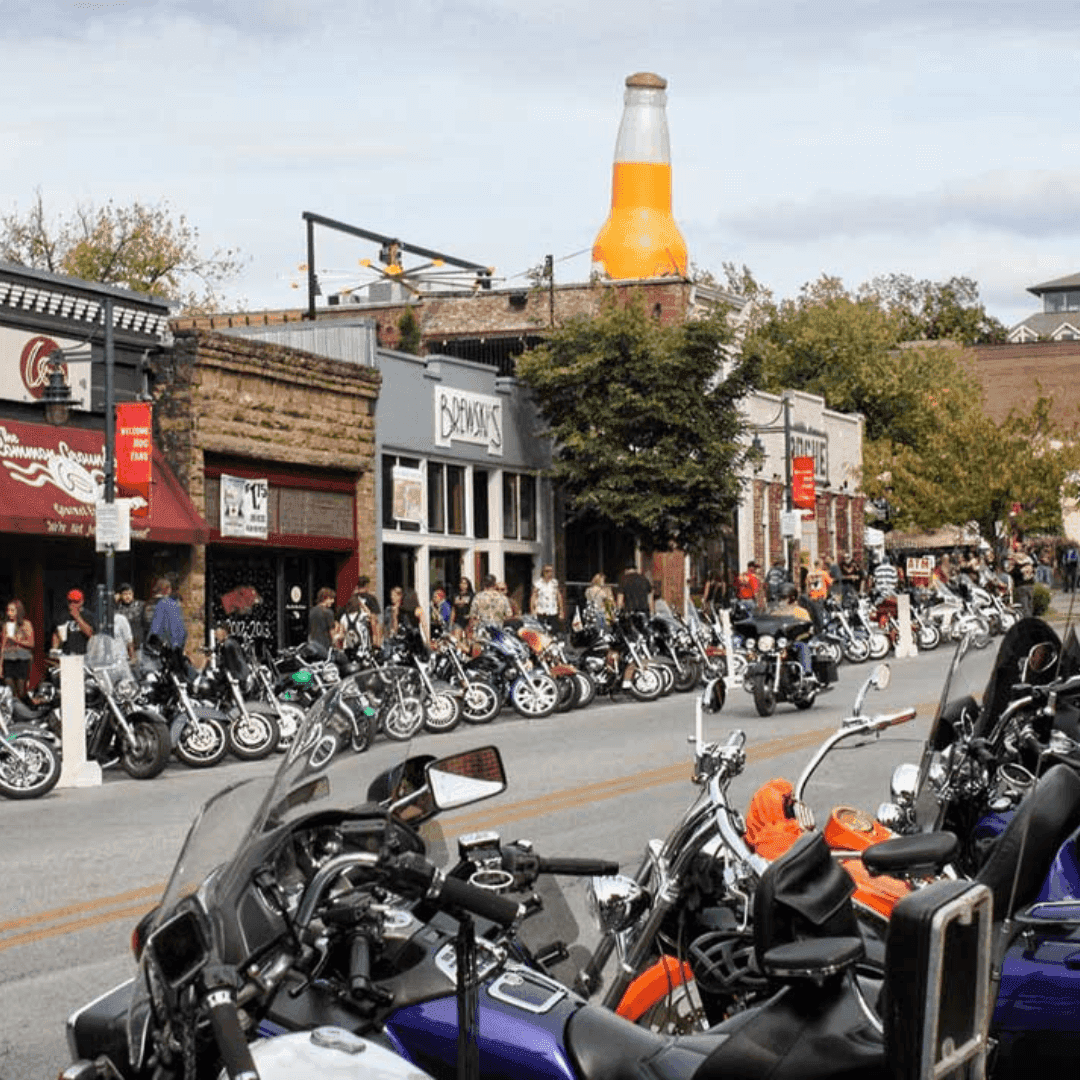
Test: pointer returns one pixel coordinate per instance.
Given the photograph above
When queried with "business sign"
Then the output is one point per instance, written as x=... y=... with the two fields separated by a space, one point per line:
x=245 y=507
x=408 y=494
x=461 y=416
x=802 y=483
x=812 y=445
x=920 y=570
x=134 y=451
x=24 y=366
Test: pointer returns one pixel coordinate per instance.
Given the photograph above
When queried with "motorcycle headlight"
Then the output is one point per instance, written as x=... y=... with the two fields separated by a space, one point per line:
x=781 y=642
x=766 y=643
x=127 y=690
x=750 y=644
x=904 y=785
x=616 y=902
x=891 y=816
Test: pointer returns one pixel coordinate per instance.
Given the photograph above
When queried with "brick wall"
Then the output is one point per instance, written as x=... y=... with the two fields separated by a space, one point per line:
x=1015 y=375
x=219 y=394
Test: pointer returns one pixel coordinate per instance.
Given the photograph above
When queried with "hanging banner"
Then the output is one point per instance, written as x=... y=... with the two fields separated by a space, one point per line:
x=245 y=507
x=134 y=452
x=408 y=494
x=802 y=483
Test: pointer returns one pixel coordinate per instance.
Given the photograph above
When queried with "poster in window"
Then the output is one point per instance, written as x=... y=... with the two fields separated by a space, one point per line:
x=245 y=507
x=408 y=494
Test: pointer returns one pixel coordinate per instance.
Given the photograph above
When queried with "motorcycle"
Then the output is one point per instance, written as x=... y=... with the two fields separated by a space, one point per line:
x=301 y=929
x=614 y=654
x=775 y=672
x=480 y=700
x=198 y=732
x=442 y=702
x=576 y=688
x=505 y=660
x=29 y=766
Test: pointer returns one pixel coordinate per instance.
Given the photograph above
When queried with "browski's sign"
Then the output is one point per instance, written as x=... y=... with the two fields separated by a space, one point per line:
x=462 y=416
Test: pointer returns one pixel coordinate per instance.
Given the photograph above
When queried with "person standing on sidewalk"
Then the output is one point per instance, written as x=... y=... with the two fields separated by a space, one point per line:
x=546 y=602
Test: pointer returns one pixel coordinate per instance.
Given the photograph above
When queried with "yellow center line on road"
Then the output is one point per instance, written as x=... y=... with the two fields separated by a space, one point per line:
x=106 y=911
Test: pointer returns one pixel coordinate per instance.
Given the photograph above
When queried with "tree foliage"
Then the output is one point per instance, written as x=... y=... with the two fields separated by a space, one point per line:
x=890 y=351
x=645 y=420
x=145 y=248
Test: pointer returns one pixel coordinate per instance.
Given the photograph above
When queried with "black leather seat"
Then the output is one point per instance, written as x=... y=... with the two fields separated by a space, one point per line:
x=921 y=855
x=1044 y=820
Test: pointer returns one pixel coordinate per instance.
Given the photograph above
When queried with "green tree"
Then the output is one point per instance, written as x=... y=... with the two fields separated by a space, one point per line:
x=645 y=420
x=145 y=248
x=409 y=338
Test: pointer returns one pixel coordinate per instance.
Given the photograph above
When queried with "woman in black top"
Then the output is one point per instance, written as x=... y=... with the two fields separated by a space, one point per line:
x=462 y=603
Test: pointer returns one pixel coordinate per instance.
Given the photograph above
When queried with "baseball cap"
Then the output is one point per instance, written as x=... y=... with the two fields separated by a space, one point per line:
x=76 y=596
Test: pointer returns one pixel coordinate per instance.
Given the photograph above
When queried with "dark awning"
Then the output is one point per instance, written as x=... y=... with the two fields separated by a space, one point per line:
x=50 y=478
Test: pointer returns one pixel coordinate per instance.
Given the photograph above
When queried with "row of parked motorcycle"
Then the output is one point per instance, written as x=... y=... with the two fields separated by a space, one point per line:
x=939 y=936
x=248 y=704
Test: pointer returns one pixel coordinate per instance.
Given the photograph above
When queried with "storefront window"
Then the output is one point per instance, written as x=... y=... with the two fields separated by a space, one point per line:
x=510 y=506
x=527 y=498
x=455 y=499
x=399 y=494
x=481 y=529
x=436 y=498
x=519 y=506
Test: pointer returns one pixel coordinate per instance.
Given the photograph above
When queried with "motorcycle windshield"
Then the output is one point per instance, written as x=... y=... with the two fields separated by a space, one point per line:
x=227 y=836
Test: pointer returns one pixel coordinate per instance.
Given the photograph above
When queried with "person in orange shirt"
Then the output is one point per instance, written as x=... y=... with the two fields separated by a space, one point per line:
x=748 y=586
x=819 y=581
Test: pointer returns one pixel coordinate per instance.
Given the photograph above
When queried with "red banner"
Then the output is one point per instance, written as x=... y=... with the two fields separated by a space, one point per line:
x=134 y=452
x=802 y=483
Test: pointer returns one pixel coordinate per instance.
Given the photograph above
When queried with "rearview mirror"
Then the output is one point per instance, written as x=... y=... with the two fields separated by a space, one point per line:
x=466 y=778
x=881 y=676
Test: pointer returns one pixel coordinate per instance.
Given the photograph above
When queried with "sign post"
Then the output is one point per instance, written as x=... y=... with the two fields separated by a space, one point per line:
x=75 y=770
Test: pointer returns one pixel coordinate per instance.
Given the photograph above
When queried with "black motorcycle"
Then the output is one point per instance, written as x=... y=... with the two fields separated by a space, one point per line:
x=783 y=666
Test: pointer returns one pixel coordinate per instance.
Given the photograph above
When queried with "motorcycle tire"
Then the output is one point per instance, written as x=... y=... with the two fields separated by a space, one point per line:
x=646 y=684
x=363 y=732
x=928 y=638
x=568 y=693
x=981 y=635
x=857 y=650
x=202 y=744
x=831 y=651
x=290 y=717
x=150 y=754
x=35 y=776
x=535 y=697
x=879 y=646
x=804 y=701
x=690 y=675
x=480 y=703
x=401 y=720
x=442 y=712
x=253 y=737
x=667 y=678
x=1008 y=621
x=764 y=698
x=586 y=689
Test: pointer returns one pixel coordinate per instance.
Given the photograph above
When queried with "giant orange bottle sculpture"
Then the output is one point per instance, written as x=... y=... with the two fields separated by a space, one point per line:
x=640 y=238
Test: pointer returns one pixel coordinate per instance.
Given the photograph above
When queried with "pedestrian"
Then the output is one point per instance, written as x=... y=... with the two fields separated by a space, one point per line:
x=132 y=610
x=367 y=597
x=546 y=601
x=1070 y=559
x=511 y=598
x=356 y=625
x=73 y=634
x=774 y=581
x=748 y=586
x=167 y=623
x=125 y=637
x=886 y=579
x=1023 y=576
x=490 y=604
x=851 y=576
x=411 y=613
x=599 y=599
x=16 y=647
x=323 y=628
x=441 y=612
x=635 y=591
x=715 y=593
x=462 y=605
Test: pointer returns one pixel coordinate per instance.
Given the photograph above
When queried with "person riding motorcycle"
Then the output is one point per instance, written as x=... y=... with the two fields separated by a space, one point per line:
x=790 y=608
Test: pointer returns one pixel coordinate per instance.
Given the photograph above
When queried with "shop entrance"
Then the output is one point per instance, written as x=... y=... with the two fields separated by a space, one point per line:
x=444 y=569
x=519 y=578
x=399 y=569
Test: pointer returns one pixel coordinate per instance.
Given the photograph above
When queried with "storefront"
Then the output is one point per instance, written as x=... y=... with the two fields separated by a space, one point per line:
x=52 y=476
x=460 y=486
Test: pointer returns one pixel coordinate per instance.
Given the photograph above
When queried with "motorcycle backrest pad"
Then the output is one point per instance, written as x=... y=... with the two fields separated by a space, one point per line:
x=937 y=982
x=805 y=893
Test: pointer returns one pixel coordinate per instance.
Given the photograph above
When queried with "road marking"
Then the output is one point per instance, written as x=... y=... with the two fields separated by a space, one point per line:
x=553 y=803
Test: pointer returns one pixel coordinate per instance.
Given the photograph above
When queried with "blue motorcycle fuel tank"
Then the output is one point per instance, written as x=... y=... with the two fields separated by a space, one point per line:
x=521 y=1021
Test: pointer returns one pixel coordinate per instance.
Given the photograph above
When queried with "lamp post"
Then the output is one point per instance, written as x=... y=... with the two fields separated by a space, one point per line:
x=58 y=401
x=759 y=447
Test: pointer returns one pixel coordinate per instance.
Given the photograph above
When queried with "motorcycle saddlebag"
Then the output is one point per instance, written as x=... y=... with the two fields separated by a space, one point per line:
x=824 y=670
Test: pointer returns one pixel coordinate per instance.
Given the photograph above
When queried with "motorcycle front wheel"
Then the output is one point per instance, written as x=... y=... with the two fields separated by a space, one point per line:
x=586 y=689
x=202 y=743
x=568 y=692
x=290 y=717
x=646 y=684
x=536 y=696
x=33 y=776
x=689 y=676
x=480 y=703
x=442 y=712
x=254 y=736
x=402 y=719
x=667 y=678
x=764 y=698
x=857 y=650
x=928 y=638
x=879 y=646
x=149 y=754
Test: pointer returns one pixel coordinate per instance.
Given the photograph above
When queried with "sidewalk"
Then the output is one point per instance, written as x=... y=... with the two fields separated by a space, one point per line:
x=1060 y=601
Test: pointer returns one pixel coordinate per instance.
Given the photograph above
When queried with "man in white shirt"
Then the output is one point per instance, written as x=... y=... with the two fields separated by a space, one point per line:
x=546 y=602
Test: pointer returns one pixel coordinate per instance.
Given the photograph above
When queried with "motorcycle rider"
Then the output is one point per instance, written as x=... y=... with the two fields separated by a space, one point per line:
x=790 y=608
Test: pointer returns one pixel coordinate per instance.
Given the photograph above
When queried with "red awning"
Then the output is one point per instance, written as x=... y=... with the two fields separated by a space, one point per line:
x=50 y=477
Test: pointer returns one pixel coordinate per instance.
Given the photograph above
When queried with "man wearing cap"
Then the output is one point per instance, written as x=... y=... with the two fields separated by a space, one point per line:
x=72 y=636
x=748 y=586
x=132 y=610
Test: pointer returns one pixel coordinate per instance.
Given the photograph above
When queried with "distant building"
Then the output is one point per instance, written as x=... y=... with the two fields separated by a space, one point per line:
x=1059 y=319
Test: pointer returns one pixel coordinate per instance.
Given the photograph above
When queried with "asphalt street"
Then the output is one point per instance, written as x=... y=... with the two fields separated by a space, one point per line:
x=82 y=865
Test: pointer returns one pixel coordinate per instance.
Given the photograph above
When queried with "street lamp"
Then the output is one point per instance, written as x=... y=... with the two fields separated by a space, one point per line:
x=759 y=449
x=58 y=402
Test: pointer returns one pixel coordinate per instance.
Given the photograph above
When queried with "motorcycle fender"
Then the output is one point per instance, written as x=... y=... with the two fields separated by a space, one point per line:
x=146 y=713
x=208 y=712
x=653 y=985
x=441 y=686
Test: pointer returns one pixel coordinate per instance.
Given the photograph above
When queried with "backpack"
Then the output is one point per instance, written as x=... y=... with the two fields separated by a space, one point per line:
x=1070 y=555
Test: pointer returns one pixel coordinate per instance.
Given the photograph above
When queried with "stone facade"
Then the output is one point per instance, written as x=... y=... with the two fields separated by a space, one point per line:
x=241 y=398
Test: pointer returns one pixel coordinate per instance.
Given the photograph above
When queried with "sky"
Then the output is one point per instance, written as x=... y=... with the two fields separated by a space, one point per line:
x=852 y=138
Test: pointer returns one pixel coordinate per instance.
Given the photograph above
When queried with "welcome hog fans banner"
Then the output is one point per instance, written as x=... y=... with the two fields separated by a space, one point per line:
x=51 y=477
x=24 y=366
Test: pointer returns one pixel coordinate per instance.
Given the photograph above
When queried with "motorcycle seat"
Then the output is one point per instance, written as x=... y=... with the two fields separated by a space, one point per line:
x=604 y=1046
x=921 y=855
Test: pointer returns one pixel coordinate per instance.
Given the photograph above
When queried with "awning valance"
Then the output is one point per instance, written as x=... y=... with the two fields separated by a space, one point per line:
x=51 y=477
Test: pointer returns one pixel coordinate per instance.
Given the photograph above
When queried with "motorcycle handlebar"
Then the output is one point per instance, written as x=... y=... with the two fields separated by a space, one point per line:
x=415 y=870
x=229 y=1035
x=579 y=867
x=892 y=719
